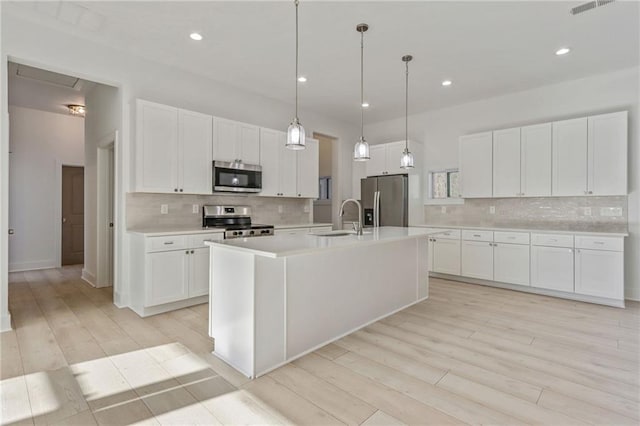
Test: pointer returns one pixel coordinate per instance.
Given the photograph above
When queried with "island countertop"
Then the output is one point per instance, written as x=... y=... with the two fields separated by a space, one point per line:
x=289 y=245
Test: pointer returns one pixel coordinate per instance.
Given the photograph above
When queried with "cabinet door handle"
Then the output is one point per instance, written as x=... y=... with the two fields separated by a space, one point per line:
x=476 y=235
x=577 y=250
x=187 y=252
x=168 y=243
x=191 y=251
x=598 y=242
x=180 y=189
x=175 y=189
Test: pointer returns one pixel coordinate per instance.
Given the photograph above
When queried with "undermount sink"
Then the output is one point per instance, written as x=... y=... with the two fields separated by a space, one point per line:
x=338 y=233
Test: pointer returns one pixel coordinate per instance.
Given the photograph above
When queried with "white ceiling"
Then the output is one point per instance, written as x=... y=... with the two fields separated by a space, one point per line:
x=486 y=48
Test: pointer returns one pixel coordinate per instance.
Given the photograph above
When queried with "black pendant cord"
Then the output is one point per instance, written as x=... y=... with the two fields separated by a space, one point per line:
x=296 y=3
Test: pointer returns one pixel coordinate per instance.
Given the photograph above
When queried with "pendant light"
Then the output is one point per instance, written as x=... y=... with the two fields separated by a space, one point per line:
x=295 y=132
x=361 y=150
x=406 y=161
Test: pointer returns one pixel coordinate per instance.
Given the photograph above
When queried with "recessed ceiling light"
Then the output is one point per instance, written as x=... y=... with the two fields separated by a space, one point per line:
x=446 y=83
x=563 y=51
x=302 y=79
x=365 y=105
x=195 y=36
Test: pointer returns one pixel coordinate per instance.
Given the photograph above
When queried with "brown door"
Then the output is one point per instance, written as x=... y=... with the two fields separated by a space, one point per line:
x=72 y=215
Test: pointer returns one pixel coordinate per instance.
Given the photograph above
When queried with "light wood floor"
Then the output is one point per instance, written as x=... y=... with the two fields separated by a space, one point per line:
x=470 y=354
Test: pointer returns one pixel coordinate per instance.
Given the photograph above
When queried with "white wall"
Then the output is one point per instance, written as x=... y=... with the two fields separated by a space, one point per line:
x=104 y=109
x=40 y=142
x=25 y=41
x=439 y=131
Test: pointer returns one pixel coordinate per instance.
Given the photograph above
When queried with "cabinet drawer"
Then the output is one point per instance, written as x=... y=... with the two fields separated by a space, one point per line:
x=599 y=243
x=197 y=241
x=471 y=235
x=552 y=240
x=174 y=242
x=448 y=234
x=511 y=237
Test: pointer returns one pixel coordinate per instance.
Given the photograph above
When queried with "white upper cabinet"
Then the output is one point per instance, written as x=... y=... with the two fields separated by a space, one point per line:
x=607 y=154
x=271 y=142
x=287 y=172
x=476 y=165
x=236 y=141
x=535 y=160
x=570 y=157
x=195 y=153
x=522 y=161
x=385 y=158
x=309 y=170
x=156 y=147
x=173 y=150
x=506 y=163
x=377 y=164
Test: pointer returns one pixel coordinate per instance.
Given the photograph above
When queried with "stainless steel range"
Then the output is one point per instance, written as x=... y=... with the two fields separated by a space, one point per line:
x=235 y=220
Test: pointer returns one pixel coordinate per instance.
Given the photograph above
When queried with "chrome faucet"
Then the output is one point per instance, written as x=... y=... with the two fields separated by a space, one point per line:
x=357 y=228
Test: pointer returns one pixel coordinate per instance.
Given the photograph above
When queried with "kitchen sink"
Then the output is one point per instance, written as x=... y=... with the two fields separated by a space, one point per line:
x=338 y=233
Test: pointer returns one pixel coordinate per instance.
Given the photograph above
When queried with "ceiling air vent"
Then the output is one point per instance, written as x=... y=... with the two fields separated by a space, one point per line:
x=588 y=6
x=47 y=76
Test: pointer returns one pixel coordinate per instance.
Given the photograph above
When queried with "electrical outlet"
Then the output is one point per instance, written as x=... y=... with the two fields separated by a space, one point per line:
x=306 y=208
x=492 y=209
x=164 y=208
x=195 y=208
x=443 y=209
x=586 y=211
x=280 y=209
x=610 y=211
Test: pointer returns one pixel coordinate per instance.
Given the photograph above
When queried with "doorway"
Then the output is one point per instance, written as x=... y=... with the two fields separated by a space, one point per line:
x=72 y=246
x=106 y=210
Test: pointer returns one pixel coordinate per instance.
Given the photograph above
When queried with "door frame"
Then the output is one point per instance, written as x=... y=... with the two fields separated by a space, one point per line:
x=57 y=236
x=105 y=145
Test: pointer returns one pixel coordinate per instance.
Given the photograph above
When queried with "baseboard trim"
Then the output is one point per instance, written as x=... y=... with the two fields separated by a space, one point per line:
x=5 y=322
x=88 y=277
x=534 y=290
x=32 y=266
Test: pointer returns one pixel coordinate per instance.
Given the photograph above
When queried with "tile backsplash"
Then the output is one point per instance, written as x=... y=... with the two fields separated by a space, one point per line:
x=553 y=212
x=143 y=209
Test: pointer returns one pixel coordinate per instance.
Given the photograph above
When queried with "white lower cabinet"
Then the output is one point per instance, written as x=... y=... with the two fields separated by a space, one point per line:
x=477 y=259
x=511 y=263
x=599 y=273
x=446 y=256
x=552 y=268
x=169 y=272
x=592 y=271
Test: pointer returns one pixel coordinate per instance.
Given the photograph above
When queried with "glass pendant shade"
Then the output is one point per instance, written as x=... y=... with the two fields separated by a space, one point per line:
x=406 y=161
x=295 y=135
x=361 y=150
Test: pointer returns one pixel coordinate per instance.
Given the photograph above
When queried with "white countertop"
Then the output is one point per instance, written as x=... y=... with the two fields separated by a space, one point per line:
x=289 y=245
x=602 y=232
x=158 y=231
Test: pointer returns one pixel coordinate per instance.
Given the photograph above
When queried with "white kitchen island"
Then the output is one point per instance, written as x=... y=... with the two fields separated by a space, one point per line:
x=274 y=299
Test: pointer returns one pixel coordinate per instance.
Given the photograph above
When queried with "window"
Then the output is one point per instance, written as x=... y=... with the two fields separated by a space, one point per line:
x=325 y=188
x=444 y=184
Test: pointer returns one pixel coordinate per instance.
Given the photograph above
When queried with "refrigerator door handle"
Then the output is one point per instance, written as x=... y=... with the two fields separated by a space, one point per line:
x=376 y=209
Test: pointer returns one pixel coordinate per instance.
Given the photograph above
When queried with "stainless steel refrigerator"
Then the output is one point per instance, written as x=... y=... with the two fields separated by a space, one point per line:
x=385 y=200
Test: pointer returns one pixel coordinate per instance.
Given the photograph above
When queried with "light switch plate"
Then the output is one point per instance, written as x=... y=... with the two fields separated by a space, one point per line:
x=280 y=209
x=610 y=211
x=492 y=209
x=443 y=209
x=586 y=211
x=164 y=208
x=195 y=208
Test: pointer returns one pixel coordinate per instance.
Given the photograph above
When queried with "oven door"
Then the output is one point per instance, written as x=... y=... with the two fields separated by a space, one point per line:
x=236 y=177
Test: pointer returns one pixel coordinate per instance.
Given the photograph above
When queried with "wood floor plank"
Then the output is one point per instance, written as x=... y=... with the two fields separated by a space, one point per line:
x=581 y=410
x=391 y=401
x=442 y=400
x=291 y=405
x=340 y=404
x=10 y=357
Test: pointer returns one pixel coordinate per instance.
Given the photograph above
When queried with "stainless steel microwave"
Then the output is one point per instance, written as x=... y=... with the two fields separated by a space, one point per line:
x=236 y=177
